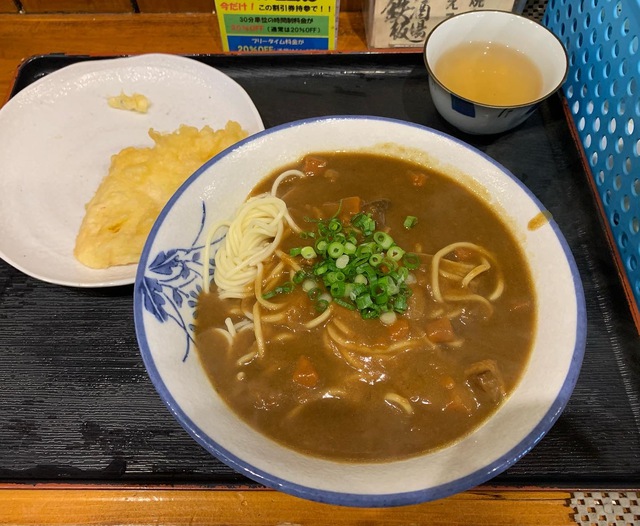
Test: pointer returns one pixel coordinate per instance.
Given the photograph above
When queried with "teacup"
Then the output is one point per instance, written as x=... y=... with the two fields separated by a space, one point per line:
x=529 y=39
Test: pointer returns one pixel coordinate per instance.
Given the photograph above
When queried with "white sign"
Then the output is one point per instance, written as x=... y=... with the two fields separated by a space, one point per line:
x=406 y=23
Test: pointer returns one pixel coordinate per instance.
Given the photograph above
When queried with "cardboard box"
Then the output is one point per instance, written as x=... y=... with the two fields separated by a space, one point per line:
x=406 y=23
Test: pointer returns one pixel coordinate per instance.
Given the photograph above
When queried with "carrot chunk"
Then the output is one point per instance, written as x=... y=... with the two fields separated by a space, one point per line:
x=440 y=330
x=305 y=373
x=314 y=165
x=350 y=206
x=417 y=178
x=461 y=401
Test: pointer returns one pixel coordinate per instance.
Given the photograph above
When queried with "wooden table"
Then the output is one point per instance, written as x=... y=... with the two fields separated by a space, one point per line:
x=22 y=36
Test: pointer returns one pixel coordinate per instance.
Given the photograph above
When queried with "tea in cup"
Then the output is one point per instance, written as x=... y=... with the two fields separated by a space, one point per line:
x=489 y=70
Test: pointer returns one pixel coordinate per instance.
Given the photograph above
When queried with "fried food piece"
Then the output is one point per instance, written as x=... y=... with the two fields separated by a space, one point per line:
x=136 y=102
x=140 y=181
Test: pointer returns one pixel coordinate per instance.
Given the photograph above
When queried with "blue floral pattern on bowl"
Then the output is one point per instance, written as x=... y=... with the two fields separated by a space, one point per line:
x=172 y=283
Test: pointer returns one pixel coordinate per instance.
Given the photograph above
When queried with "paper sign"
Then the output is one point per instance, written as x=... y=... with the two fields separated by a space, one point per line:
x=278 y=25
x=406 y=23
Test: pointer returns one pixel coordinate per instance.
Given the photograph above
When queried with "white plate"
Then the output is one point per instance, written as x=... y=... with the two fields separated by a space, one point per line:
x=57 y=137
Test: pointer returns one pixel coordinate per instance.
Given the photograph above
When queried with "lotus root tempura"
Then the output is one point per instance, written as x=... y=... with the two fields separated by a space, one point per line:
x=364 y=308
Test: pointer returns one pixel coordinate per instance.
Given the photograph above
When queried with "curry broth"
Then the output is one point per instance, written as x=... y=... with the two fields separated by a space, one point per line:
x=351 y=413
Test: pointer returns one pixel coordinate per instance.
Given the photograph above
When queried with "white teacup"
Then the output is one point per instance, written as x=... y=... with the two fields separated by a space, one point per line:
x=521 y=34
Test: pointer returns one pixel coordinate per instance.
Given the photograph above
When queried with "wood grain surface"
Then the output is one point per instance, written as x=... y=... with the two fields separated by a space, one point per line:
x=8 y=6
x=77 y=6
x=142 y=506
x=176 y=6
x=23 y=36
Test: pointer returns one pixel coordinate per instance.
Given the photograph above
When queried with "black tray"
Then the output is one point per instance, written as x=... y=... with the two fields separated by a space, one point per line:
x=77 y=405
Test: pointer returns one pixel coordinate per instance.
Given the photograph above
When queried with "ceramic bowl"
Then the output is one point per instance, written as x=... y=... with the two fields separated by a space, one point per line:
x=498 y=27
x=170 y=275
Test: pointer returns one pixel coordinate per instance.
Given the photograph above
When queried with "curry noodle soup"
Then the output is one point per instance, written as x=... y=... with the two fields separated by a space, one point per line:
x=364 y=308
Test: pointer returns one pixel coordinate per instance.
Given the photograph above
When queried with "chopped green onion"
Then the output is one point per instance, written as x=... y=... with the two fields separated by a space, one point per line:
x=411 y=260
x=383 y=239
x=357 y=267
x=369 y=272
x=406 y=291
x=339 y=237
x=321 y=246
x=286 y=288
x=379 y=293
x=390 y=264
x=308 y=284
x=338 y=289
x=402 y=274
x=388 y=318
x=388 y=285
x=335 y=250
x=395 y=253
x=366 y=249
x=360 y=278
x=356 y=290
x=299 y=277
x=349 y=248
x=344 y=304
x=363 y=302
x=349 y=290
x=342 y=261
x=334 y=276
x=400 y=304
x=410 y=222
x=325 y=296
x=369 y=313
x=364 y=222
x=308 y=253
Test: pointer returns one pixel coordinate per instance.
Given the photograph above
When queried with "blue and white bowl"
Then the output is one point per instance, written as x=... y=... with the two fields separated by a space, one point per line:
x=170 y=275
x=533 y=40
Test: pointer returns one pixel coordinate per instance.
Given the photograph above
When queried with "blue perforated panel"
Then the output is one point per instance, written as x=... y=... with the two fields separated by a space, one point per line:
x=603 y=94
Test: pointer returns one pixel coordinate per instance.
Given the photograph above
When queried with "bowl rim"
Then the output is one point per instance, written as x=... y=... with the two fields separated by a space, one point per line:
x=484 y=12
x=372 y=500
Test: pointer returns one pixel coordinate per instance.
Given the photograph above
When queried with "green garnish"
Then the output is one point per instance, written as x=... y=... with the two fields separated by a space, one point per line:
x=410 y=222
x=360 y=267
x=285 y=288
x=308 y=252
